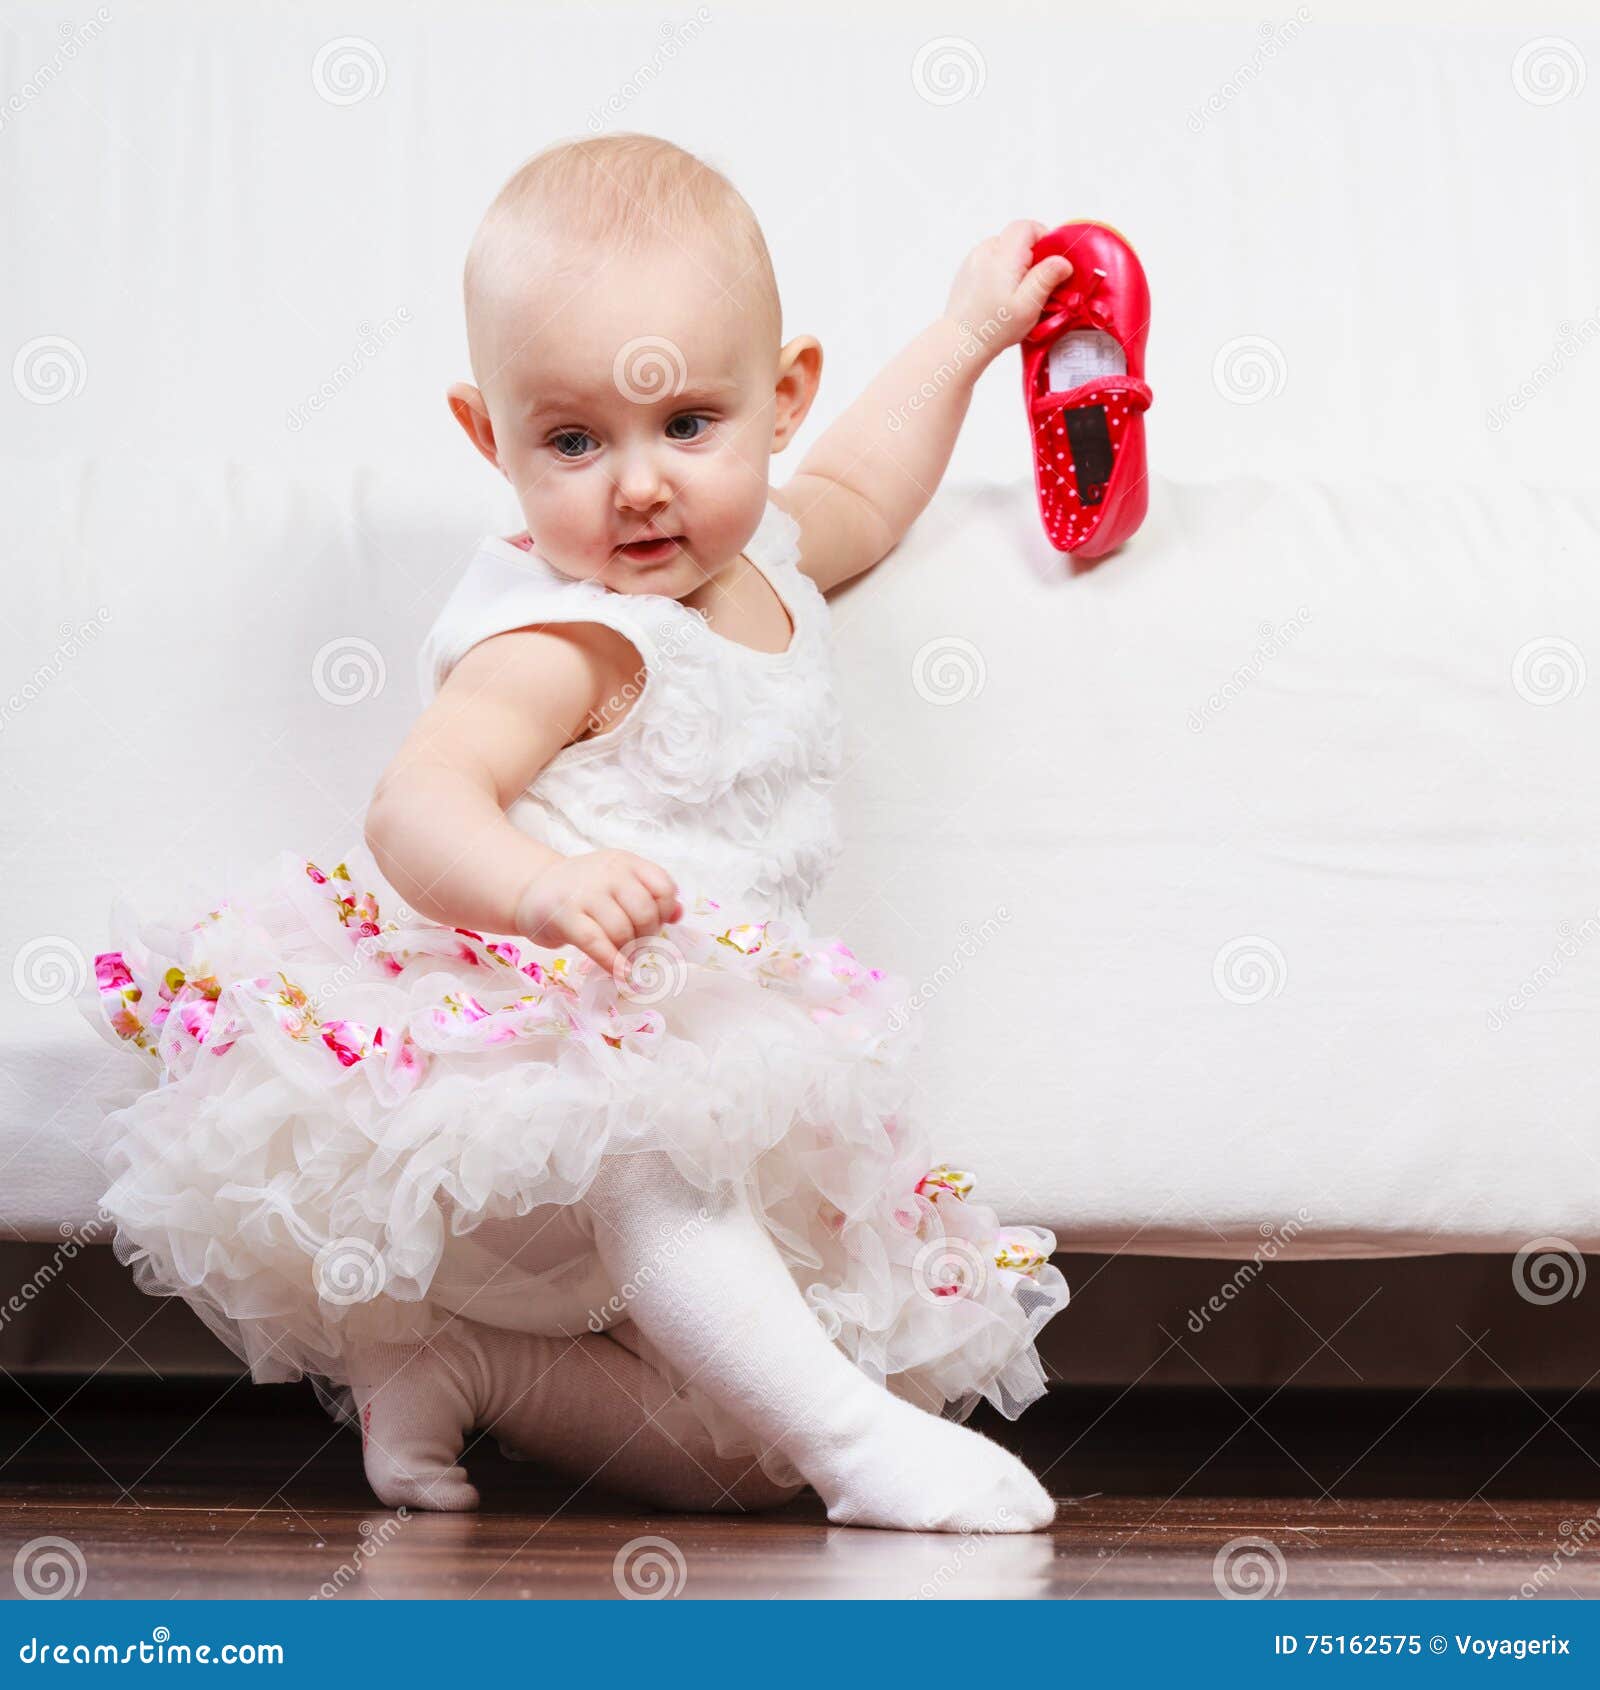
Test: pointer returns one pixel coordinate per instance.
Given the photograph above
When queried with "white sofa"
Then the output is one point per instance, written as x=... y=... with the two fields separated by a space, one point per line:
x=1250 y=878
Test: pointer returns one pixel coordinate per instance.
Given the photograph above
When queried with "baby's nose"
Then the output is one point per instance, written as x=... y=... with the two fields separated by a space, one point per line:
x=640 y=482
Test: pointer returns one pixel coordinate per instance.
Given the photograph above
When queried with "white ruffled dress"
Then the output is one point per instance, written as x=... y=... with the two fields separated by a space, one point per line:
x=358 y=1121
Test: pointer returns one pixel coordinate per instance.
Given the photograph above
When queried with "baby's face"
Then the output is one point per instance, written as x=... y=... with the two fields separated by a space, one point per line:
x=633 y=410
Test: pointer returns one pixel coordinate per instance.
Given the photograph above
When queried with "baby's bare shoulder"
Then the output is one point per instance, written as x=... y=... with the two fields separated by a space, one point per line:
x=515 y=699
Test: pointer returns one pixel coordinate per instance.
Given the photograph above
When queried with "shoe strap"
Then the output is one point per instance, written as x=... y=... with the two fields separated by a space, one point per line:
x=1140 y=398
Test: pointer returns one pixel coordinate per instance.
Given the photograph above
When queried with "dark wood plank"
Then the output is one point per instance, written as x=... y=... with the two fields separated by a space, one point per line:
x=190 y=1489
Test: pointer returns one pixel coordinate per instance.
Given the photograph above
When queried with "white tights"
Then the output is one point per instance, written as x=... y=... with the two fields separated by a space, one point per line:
x=728 y=1315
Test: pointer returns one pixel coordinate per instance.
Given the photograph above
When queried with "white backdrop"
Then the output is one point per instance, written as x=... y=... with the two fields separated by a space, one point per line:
x=229 y=308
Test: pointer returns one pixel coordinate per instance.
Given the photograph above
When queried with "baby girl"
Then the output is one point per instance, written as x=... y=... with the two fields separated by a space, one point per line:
x=652 y=1206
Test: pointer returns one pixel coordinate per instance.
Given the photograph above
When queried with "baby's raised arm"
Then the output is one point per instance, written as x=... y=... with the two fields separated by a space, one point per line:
x=437 y=824
x=868 y=478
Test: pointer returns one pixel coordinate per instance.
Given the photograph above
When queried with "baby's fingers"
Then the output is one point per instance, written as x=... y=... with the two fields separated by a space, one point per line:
x=1037 y=286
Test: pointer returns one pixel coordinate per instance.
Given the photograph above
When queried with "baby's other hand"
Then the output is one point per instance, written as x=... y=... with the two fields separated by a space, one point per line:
x=599 y=901
x=999 y=293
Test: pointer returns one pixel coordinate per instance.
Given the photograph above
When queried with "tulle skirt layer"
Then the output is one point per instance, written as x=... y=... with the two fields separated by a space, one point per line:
x=355 y=1122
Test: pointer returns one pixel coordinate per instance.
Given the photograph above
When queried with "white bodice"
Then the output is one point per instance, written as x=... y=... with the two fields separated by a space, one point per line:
x=722 y=768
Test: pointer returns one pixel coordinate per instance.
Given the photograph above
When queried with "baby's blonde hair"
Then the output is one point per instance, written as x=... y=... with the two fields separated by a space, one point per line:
x=618 y=193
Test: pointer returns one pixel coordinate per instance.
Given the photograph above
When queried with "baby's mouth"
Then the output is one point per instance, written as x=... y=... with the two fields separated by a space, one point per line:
x=651 y=551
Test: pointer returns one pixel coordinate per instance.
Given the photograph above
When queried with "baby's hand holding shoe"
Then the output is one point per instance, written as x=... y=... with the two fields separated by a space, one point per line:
x=999 y=292
x=599 y=901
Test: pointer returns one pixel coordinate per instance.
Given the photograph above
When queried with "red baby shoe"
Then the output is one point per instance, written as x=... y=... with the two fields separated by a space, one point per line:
x=1083 y=378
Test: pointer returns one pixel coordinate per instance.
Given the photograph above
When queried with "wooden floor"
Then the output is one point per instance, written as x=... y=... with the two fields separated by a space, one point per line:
x=202 y=1490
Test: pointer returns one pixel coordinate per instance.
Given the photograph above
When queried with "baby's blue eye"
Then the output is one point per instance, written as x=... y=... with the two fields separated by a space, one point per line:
x=571 y=442
x=694 y=424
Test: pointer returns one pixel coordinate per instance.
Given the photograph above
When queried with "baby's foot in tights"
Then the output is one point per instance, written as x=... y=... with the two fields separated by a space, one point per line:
x=416 y=1410
x=904 y=1469
x=589 y=1408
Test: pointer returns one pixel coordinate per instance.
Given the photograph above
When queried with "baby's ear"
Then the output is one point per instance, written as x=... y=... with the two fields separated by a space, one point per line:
x=799 y=375
x=467 y=407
